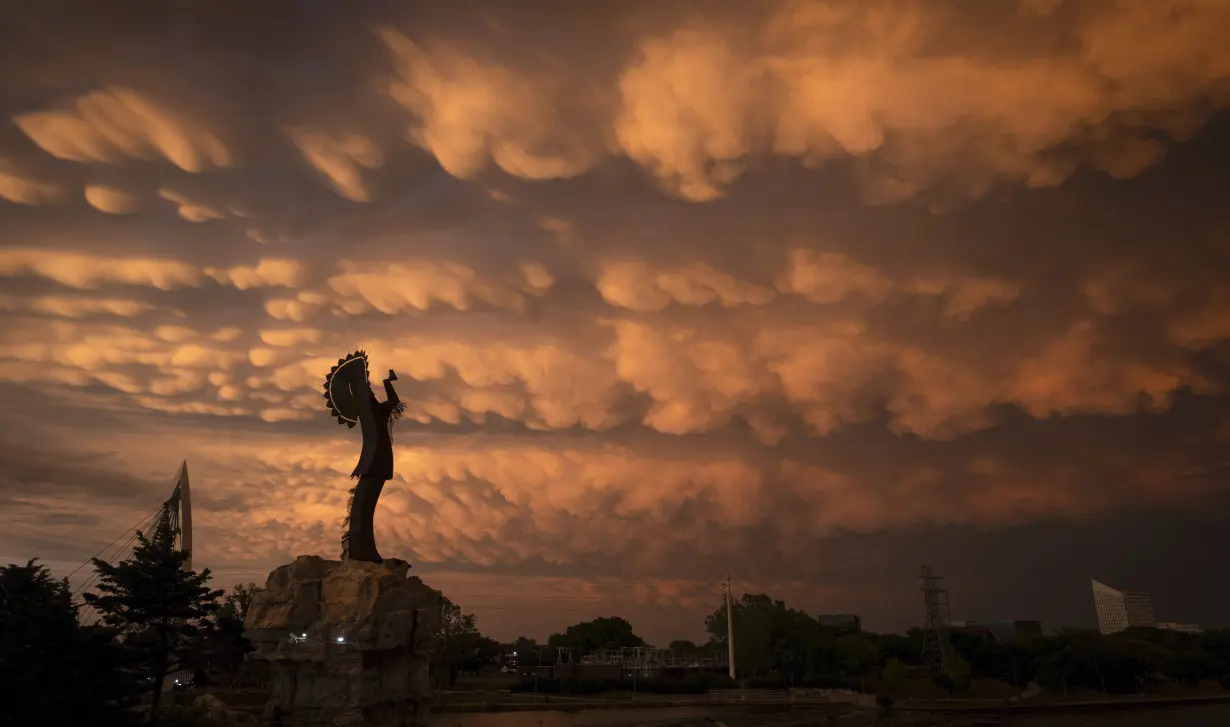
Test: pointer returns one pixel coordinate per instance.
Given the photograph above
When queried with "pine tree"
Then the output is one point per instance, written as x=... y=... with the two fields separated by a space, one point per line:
x=157 y=605
x=52 y=670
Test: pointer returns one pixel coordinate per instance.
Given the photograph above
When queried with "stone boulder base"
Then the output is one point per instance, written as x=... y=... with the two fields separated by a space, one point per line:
x=347 y=643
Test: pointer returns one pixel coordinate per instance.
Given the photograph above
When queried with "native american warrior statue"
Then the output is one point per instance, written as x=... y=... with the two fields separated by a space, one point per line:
x=348 y=394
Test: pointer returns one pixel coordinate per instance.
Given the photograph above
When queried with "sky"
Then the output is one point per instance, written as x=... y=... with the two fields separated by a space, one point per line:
x=807 y=293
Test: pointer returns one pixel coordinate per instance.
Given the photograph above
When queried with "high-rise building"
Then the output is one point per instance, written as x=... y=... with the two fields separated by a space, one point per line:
x=1121 y=610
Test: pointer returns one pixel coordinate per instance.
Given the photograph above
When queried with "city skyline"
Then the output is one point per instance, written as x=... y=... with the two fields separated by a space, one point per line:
x=803 y=294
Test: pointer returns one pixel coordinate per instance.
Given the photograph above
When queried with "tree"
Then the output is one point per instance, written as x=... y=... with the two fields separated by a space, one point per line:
x=610 y=632
x=954 y=672
x=457 y=636
x=236 y=603
x=753 y=627
x=896 y=646
x=156 y=603
x=892 y=679
x=857 y=654
x=683 y=649
x=479 y=651
x=57 y=672
x=525 y=652
x=222 y=642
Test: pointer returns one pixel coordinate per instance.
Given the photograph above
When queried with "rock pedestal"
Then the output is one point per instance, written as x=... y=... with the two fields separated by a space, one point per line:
x=347 y=643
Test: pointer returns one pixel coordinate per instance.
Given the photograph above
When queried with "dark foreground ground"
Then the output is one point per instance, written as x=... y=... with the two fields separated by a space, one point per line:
x=1122 y=715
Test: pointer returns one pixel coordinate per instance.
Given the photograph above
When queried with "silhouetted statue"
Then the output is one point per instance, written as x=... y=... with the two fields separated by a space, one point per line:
x=348 y=393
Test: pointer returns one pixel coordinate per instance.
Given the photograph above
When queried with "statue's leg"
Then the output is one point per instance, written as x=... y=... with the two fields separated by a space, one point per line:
x=362 y=542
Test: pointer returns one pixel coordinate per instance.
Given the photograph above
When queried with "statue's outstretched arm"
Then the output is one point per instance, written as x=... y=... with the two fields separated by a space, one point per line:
x=390 y=394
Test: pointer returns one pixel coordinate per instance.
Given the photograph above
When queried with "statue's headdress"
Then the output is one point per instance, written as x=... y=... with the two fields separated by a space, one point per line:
x=339 y=397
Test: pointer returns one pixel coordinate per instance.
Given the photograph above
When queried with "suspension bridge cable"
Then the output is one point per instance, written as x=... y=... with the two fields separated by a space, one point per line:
x=88 y=609
x=140 y=522
x=132 y=538
x=109 y=557
x=88 y=612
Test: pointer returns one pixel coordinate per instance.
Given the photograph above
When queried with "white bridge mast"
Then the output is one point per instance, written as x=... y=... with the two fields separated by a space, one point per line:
x=185 y=513
x=178 y=509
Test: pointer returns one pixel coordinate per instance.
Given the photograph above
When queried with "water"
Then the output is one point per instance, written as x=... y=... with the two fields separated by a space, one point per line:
x=1203 y=716
x=1215 y=715
x=583 y=718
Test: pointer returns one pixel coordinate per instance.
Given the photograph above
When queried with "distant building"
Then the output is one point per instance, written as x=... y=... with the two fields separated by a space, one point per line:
x=841 y=621
x=1000 y=631
x=1121 y=610
x=1183 y=628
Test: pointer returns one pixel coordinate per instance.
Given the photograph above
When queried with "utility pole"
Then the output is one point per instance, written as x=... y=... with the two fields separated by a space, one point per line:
x=730 y=632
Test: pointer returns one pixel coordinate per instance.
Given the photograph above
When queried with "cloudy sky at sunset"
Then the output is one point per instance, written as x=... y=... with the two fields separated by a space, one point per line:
x=808 y=292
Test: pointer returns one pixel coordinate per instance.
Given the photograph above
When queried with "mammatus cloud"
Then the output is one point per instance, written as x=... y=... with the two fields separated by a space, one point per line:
x=917 y=92
x=395 y=288
x=19 y=189
x=114 y=124
x=78 y=270
x=111 y=200
x=340 y=159
x=468 y=112
x=647 y=326
x=634 y=284
x=267 y=272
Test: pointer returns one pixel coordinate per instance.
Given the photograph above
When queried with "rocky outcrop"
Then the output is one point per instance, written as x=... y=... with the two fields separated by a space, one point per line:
x=346 y=642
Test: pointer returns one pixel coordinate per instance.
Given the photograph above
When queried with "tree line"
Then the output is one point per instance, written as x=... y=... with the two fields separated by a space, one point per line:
x=157 y=618
x=776 y=644
x=780 y=647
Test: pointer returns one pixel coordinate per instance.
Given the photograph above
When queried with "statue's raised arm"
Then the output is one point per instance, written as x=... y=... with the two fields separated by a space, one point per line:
x=390 y=394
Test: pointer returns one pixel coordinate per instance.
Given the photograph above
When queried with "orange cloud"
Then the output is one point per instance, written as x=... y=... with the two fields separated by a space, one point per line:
x=80 y=270
x=22 y=190
x=652 y=312
x=696 y=104
x=468 y=112
x=634 y=284
x=339 y=158
x=191 y=210
x=392 y=287
x=268 y=272
x=117 y=123
x=111 y=200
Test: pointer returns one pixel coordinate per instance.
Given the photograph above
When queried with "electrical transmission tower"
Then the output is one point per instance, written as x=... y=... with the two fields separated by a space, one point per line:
x=935 y=622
